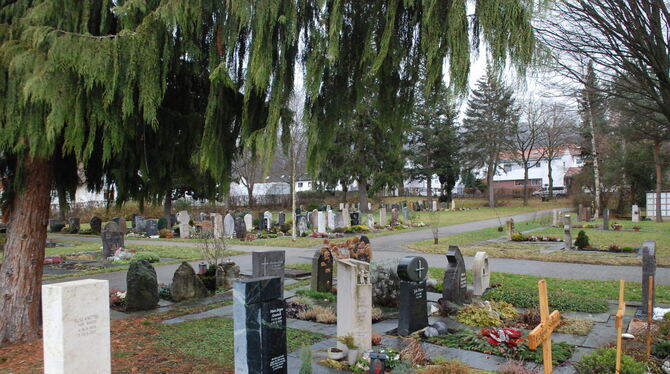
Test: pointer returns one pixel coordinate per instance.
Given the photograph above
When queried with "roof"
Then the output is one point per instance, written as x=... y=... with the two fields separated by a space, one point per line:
x=539 y=152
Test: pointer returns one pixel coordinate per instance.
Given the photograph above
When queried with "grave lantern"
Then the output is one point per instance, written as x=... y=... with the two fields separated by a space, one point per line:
x=377 y=363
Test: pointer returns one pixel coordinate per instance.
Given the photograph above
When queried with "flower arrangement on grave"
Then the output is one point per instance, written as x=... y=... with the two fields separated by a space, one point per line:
x=117 y=299
x=510 y=337
x=165 y=233
x=616 y=226
x=352 y=248
x=636 y=228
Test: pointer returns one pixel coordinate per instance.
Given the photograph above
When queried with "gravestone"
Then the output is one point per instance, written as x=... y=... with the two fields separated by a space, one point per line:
x=282 y=218
x=648 y=269
x=567 y=234
x=229 y=226
x=636 y=213
x=76 y=327
x=217 y=220
x=268 y=264
x=249 y=222
x=268 y=219
x=455 y=282
x=314 y=220
x=203 y=216
x=453 y=204
x=413 y=313
x=112 y=239
x=55 y=225
x=301 y=224
x=321 y=223
x=354 y=302
x=96 y=225
x=382 y=216
x=138 y=223
x=330 y=221
x=556 y=216
x=261 y=221
x=339 y=221
x=580 y=208
x=510 y=228
x=186 y=285
x=606 y=219
x=259 y=314
x=346 y=217
x=173 y=220
x=122 y=224
x=586 y=214
x=369 y=206
x=395 y=217
x=184 y=227
x=240 y=228
x=141 y=286
x=74 y=225
x=371 y=221
x=355 y=218
x=322 y=271
x=405 y=215
x=480 y=273
x=151 y=227
x=341 y=206
x=434 y=206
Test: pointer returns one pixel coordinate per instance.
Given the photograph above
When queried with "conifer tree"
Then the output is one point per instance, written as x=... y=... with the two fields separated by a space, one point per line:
x=487 y=127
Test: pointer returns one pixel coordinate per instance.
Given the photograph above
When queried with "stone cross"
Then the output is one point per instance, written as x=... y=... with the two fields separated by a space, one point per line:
x=541 y=335
x=413 y=313
x=228 y=226
x=382 y=216
x=354 y=302
x=618 y=323
x=217 y=219
x=184 y=228
x=648 y=270
x=567 y=234
x=112 y=239
x=510 y=228
x=481 y=273
x=259 y=314
x=455 y=282
x=321 y=223
x=76 y=327
x=636 y=213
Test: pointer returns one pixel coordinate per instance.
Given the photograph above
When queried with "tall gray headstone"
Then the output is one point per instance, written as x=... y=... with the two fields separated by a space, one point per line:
x=138 y=223
x=330 y=220
x=282 y=218
x=112 y=239
x=455 y=282
x=405 y=215
x=567 y=233
x=636 y=213
x=314 y=220
x=228 y=226
x=321 y=223
x=240 y=228
x=122 y=224
x=606 y=219
x=322 y=271
x=382 y=216
x=346 y=217
x=151 y=227
x=249 y=222
x=270 y=263
x=648 y=269
x=219 y=230
x=184 y=227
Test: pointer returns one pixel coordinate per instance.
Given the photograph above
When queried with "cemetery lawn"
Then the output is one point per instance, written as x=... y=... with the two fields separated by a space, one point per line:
x=469 y=245
x=211 y=340
x=603 y=290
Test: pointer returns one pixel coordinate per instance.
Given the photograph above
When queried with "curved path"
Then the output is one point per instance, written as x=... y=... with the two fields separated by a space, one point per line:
x=393 y=246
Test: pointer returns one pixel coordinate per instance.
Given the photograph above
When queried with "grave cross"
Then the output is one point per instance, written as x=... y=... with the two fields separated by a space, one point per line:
x=618 y=323
x=650 y=312
x=419 y=269
x=542 y=333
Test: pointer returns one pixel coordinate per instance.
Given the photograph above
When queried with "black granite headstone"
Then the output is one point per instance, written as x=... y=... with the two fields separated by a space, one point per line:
x=270 y=263
x=455 y=281
x=151 y=227
x=322 y=271
x=112 y=239
x=648 y=269
x=74 y=225
x=282 y=218
x=260 y=326
x=413 y=314
x=261 y=222
x=240 y=228
x=355 y=218
x=96 y=225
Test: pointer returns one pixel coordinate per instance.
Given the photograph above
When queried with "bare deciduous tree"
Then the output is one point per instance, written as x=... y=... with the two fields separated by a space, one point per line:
x=247 y=170
x=525 y=139
x=555 y=135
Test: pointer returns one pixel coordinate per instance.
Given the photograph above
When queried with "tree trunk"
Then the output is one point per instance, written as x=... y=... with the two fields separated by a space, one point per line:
x=489 y=183
x=250 y=194
x=62 y=204
x=167 y=208
x=551 y=180
x=429 y=190
x=21 y=269
x=659 y=179
x=294 y=232
x=525 y=184
x=344 y=193
x=363 y=194
x=596 y=168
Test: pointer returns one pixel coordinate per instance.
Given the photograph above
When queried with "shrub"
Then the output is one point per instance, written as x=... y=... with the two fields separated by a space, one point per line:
x=661 y=348
x=164 y=292
x=319 y=314
x=561 y=300
x=209 y=277
x=316 y=295
x=162 y=223
x=146 y=256
x=518 y=237
x=166 y=233
x=482 y=315
x=582 y=240
x=603 y=361
x=357 y=229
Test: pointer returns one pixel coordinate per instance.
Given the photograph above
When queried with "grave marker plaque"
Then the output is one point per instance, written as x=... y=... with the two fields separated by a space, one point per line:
x=455 y=281
x=355 y=218
x=76 y=327
x=413 y=314
x=112 y=239
x=260 y=326
x=480 y=273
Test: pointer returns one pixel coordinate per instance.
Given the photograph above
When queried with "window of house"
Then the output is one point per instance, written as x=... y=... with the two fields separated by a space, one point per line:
x=507 y=168
x=538 y=165
x=536 y=182
x=299 y=184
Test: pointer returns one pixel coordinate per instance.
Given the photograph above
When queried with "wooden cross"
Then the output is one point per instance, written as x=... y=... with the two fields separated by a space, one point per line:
x=650 y=312
x=541 y=334
x=618 y=323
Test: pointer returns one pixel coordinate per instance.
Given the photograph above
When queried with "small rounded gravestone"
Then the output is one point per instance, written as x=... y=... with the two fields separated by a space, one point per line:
x=412 y=268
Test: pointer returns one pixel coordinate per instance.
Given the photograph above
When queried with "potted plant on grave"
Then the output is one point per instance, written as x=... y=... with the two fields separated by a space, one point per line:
x=636 y=228
x=352 y=348
x=616 y=226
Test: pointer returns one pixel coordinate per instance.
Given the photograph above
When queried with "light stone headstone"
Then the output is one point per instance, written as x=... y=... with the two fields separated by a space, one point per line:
x=138 y=223
x=314 y=220
x=302 y=224
x=249 y=222
x=346 y=217
x=184 y=228
x=217 y=220
x=434 y=206
x=76 y=327
x=382 y=216
x=228 y=226
x=555 y=216
x=267 y=217
x=567 y=234
x=405 y=215
x=321 y=223
x=480 y=272
x=354 y=302
x=369 y=207
x=339 y=221
x=453 y=204
x=606 y=219
x=636 y=213
x=341 y=206
x=510 y=228
x=371 y=221
x=331 y=220
x=395 y=215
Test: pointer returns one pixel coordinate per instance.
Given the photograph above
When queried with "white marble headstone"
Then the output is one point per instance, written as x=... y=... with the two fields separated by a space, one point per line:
x=267 y=216
x=434 y=206
x=217 y=218
x=228 y=226
x=76 y=327
x=321 y=223
x=249 y=222
x=371 y=221
x=636 y=213
x=481 y=273
x=331 y=220
x=184 y=228
x=354 y=302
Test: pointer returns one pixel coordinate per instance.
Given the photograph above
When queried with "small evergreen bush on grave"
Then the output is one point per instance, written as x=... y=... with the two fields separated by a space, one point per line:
x=162 y=223
x=582 y=240
x=561 y=300
x=603 y=361
x=151 y=257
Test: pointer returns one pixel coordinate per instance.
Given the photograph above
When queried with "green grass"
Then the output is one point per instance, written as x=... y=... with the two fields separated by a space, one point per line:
x=589 y=288
x=211 y=339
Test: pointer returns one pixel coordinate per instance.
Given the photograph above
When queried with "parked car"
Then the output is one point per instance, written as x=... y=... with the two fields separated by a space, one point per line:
x=556 y=192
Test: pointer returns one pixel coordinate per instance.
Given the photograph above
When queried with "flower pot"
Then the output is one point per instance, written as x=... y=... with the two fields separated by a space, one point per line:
x=336 y=353
x=352 y=356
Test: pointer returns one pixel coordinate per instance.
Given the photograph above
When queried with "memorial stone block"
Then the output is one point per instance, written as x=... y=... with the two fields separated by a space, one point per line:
x=240 y=228
x=455 y=281
x=96 y=225
x=354 y=302
x=413 y=314
x=112 y=239
x=636 y=213
x=330 y=221
x=74 y=225
x=321 y=223
x=184 y=227
x=122 y=224
x=382 y=216
x=249 y=222
x=229 y=226
x=217 y=220
x=270 y=263
x=648 y=269
x=346 y=217
x=138 y=224
x=267 y=216
x=282 y=218
x=151 y=227
x=480 y=273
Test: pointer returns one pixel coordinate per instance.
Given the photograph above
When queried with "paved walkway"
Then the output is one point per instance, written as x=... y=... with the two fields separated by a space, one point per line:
x=393 y=247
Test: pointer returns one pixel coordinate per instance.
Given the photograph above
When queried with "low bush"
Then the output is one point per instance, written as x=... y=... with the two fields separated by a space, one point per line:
x=319 y=314
x=164 y=292
x=151 y=257
x=162 y=223
x=357 y=229
x=561 y=300
x=603 y=361
x=326 y=296
x=483 y=315
x=582 y=240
